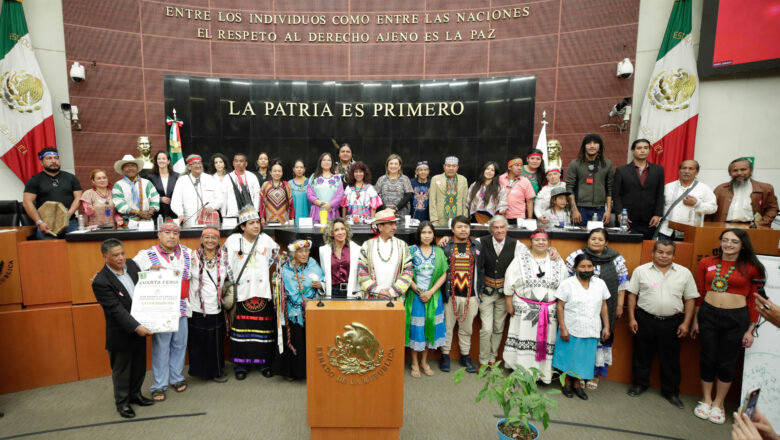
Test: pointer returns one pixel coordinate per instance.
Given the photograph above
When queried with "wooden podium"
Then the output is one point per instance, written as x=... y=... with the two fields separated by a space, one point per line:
x=355 y=369
x=706 y=238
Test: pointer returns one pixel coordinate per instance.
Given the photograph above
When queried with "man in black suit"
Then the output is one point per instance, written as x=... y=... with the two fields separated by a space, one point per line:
x=639 y=188
x=125 y=337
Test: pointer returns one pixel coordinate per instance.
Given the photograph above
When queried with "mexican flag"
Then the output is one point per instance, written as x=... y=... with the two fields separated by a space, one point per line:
x=26 y=121
x=670 y=110
x=174 y=143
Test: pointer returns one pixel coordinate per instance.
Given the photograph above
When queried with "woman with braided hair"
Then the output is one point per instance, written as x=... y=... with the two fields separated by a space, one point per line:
x=205 y=321
x=301 y=279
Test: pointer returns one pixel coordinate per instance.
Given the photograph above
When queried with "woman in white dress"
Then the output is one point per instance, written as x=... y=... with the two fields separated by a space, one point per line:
x=530 y=285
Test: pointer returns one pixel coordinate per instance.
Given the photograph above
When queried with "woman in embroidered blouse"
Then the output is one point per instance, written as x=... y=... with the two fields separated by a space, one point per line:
x=582 y=320
x=394 y=188
x=425 y=328
x=276 y=201
x=325 y=189
x=610 y=267
x=486 y=194
x=206 y=323
x=421 y=188
x=725 y=316
x=219 y=166
x=339 y=260
x=533 y=170
x=97 y=203
x=302 y=278
x=529 y=288
x=298 y=185
x=360 y=198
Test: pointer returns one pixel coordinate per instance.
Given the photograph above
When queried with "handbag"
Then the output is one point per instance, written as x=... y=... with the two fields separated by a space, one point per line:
x=229 y=287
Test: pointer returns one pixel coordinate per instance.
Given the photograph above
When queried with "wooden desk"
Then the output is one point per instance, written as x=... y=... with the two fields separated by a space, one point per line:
x=706 y=239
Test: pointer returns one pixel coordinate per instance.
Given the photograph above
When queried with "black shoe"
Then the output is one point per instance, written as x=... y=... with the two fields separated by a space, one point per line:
x=465 y=361
x=580 y=393
x=674 y=400
x=126 y=411
x=636 y=390
x=240 y=375
x=267 y=372
x=221 y=379
x=444 y=364
x=141 y=400
x=567 y=391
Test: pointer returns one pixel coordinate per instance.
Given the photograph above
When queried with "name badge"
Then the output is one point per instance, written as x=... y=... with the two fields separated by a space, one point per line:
x=711 y=268
x=589 y=181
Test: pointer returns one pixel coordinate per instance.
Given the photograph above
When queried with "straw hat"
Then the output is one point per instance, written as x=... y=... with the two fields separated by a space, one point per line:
x=384 y=216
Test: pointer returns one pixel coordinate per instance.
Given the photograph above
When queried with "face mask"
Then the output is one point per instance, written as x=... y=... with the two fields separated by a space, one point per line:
x=585 y=276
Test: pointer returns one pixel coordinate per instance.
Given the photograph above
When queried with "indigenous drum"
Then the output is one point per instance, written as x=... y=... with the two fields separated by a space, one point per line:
x=55 y=215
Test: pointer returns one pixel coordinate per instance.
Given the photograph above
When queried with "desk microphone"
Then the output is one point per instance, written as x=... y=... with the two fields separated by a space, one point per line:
x=193 y=215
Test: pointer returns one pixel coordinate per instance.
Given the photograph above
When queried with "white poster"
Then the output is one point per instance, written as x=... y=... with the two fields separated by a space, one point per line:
x=157 y=300
x=762 y=360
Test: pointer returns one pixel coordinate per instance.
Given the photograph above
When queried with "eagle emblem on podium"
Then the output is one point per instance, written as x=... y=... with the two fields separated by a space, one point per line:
x=356 y=351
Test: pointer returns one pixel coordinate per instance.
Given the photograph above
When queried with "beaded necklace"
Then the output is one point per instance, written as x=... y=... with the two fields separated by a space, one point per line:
x=379 y=251
x=458 y=262
x=721 y=283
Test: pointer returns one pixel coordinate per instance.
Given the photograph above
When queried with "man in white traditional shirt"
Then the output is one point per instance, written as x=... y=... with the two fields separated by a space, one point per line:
x=682 y=205
x=197 y=196
x=385 y=263
x=743 y=199
x=169 y=349
x=239 y=188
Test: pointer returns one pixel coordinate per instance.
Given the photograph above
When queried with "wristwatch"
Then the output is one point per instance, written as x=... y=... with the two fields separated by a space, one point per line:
x=38 y=222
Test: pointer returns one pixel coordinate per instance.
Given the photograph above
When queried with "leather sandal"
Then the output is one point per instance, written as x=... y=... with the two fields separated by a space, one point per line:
x=180 y=387
x=158 y=395
x=416 y=371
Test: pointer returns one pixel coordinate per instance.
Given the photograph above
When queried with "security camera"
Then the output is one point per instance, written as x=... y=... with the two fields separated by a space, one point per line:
x=74 y=117
x=77 y=72
x=625 y=69
x=621 y=108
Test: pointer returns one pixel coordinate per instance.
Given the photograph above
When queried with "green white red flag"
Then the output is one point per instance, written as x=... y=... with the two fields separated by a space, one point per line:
x=26 y=120
x=174 y=143
x=670 y=110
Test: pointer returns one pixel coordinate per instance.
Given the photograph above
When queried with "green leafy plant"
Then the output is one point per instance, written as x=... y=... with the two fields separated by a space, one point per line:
x=518 y=396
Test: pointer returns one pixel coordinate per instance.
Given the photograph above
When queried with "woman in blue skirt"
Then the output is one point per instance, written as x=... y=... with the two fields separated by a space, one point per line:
x=424 y=309
x=582 y=319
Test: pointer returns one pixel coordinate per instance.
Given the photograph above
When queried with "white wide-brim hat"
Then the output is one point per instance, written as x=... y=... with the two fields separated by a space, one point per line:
x=126 y=159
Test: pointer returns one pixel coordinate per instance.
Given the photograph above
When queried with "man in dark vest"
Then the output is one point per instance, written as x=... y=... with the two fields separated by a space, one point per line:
x=498 y=253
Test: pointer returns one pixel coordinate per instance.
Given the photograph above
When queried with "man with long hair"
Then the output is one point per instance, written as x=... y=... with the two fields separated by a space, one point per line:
x=589 y=180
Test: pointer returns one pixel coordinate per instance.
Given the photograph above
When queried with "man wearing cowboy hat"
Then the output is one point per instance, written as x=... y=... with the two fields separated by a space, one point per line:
x=197 y=196
x=385 y=264
x=134 y=197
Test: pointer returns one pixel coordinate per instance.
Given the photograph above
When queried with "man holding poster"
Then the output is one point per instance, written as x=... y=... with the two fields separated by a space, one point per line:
x=168 y=348
x=114 y=286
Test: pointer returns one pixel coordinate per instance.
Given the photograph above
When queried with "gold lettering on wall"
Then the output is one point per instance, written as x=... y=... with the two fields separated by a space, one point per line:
x=355 y=26
x=348 y=109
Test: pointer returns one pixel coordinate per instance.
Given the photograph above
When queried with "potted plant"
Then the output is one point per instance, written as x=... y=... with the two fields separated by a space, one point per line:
x=519 y=398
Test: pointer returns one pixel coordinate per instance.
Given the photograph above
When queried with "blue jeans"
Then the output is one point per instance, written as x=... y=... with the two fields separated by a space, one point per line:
x=73 y=225
x=587 y=214
x=168 y=350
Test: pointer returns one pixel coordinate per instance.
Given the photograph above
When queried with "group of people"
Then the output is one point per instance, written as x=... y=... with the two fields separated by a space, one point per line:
x=589 y=189
x=561 y=310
